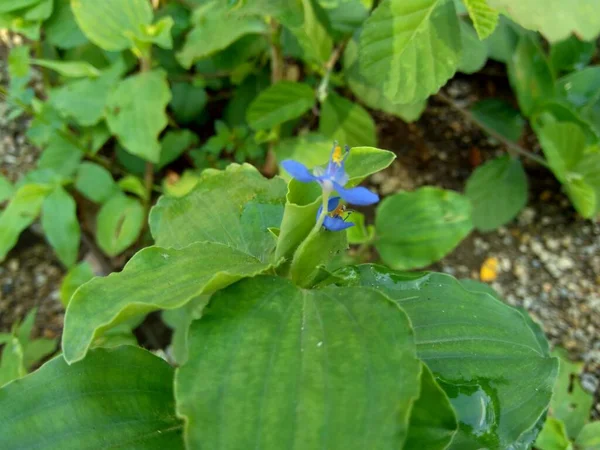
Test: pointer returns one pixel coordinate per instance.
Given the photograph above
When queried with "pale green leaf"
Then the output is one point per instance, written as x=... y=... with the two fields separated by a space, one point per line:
x=553 y=436
x=498 y=191
x=13 y=5
x=332 y=368
x=133 y=185
x=483 y=353
x=62 y=156
x=500 y=117
x=414 y=229
x=22 y=210
x=12 y=365
x=62 y=407
x=136 y=112
x=94 y=182
x=155 y=278
x=360 y=233
x=60 y=225
x=6 y=189
x=410 y=48
x=60 y=29
x=346 y=122
x=118 y=223
x=70 y=69
x=484 y=18
x=75 y=277
x=589 y=438
x=279 y=103
x=474 y=52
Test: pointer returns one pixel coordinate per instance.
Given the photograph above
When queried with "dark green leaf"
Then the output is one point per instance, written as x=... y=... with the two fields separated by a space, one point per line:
x=474 y=52
x=188 y=101
x=173 y=144
x=500 y=117
x=61 y=30
x=571 y=54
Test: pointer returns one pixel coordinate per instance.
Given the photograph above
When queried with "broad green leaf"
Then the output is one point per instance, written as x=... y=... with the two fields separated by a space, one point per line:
x=346 y=17
x=45 y=124
x=498 y=191
x=188 y=101
x=94 y=182
x=136 y=112
x=410 y=48
x=279 y=103
x=75 y=277
x=62 y=155
x=484 y=18
x=530 y=74
x=347 y=122
x=60 y=29
x=553 y=436
x=414 y=229
x=474 y=52
x=555 y=19
x=216 y=26
x=311 y=34
x=432 y=420
x=12 y=365
x=118 y=223
x=22 y=210
x=179 y=320
x=500 y=117
x=503 y=41
x=155 y=278
x=589 y=437
x=234 y=207
x=116 y=25
x=371 y=95
x=571 y=54
x=173 y=144
x=483 y=353
x=70 y=69
x=332 y=368
x=6 y=189
x=62 y=407
x=570 y=403
x=60 y=224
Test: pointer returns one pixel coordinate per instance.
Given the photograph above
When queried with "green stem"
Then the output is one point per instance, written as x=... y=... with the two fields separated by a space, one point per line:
x=320 y=219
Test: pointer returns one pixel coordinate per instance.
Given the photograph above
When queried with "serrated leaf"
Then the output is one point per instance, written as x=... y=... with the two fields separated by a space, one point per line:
x=60 y=224
x=481 y=351
x=484 y=18
x=136 y=113
x=71 y=69
x=94 y=182
x=474 y=52
x=500 y=117
x=62 y=407
x=155 y=278
x=414 y=229
x=347 y=122
x=352 y=339
x=118 y=223
x=498 y=191
x=75 y=277
x=279 y=103
x=410 y=48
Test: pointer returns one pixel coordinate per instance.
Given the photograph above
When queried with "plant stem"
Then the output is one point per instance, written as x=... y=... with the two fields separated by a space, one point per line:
x=328 y=66
x=512 y=147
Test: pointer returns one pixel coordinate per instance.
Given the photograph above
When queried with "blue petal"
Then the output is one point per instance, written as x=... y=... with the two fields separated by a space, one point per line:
x=357 y=196
x=298 y=171
x=331 y=205
x=336 y=224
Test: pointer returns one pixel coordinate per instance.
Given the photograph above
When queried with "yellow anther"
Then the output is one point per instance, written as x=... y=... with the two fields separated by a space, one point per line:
x=337 y=212
x=338 y=155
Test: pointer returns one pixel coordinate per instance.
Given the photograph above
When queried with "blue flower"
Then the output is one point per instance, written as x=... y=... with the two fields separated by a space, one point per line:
x=332 y=178
x=333 y=220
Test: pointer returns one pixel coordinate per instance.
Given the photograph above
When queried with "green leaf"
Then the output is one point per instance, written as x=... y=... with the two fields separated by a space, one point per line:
x=64 y=407
x=347 y=122
x=555 y=19
x=60 y=224
x=61 y=156
x=179 y=320
x=484 y=18
x=410 y=48
x=571 y=54
x=553 y=436
x=136 y=112
x=570 y=402
x=17 y=4
x=75 y=277
x=414 y=229
x=433 y=422
x=503 y=41
x=60 y=29
x=499 y=116
x=12 y=365
x=332 y=368
x=474 y=52
x=216 y=26
x=481 y=351
x=133 y=185
x=118 y=223
x=589 y=437
x=360 y=233
x=188 y=101
x=279 y=103
x=371 y=95
x=311 y=34
x=173 y=144
x=234 y=207
x=22 y=210
x=155 y=278
x=6 y=189
x=94 y=182
x=498 y=191
x=530 y=74
x=70 y=69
